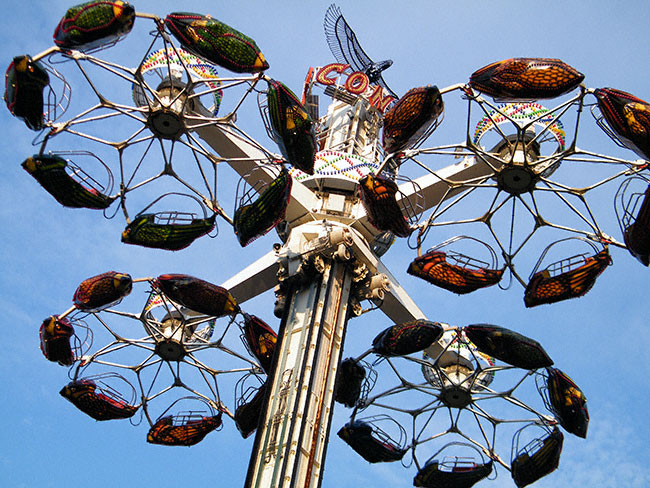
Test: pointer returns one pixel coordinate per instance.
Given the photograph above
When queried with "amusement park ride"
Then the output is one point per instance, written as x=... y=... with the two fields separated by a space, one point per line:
x=350 y=179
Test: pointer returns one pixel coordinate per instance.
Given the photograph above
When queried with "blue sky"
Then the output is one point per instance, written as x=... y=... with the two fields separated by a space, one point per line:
x=600 y=340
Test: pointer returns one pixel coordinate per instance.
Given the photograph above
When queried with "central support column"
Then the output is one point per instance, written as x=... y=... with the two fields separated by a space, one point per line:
x=292 y=438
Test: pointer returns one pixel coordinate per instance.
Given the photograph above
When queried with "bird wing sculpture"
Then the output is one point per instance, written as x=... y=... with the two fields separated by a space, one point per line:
x=346 y=49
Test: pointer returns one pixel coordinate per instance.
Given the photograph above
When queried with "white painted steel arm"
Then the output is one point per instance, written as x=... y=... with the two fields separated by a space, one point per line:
x=438 y=187
x=397 y=305
x=260 y=276
x=242 y=155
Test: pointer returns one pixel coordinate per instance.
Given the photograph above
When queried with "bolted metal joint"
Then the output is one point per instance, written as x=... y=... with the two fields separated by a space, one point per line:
x=372 y=288
x=342 y=253
x=359 y=272
x=355 y=309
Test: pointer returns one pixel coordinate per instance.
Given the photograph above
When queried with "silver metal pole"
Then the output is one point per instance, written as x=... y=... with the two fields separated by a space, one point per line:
x=291 y=440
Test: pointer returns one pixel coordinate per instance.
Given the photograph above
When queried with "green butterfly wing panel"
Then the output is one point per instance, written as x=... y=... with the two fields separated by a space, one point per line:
x=217 y=42
x=256 y=219
x=94 y=24
x=292 y=127
x=50 y=172
x=146 y=232
x=25 y=82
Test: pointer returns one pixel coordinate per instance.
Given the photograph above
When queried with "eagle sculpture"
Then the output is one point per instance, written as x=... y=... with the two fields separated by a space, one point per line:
x=346 y=49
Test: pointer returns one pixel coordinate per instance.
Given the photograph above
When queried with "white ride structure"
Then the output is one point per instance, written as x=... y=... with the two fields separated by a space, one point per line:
x=328 y=265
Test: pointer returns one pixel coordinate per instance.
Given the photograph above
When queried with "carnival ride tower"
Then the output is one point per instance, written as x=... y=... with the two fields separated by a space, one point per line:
x=327 y=267
x=337 y=211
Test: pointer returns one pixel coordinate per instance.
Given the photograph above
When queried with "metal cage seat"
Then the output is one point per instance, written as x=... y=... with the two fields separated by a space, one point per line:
x=102 y=291
x=354 y=380
x=94 y=25
x=30 y=95
x=197 y=294
x=508 y=346
x=60 y=342
x=539 y=457
x=453 y=471
x=565 y=399
x=625 y=119
x=216 y=42
x=379 y=196
x=254 y=217
x=526 y=79
x=289 y=124
x=455 y=271
x=568 y=278
x=185 y=428
x=171 y=230
x=371 y=442
x=68 y=183
x=248 y=405
x=98 y=398
x=25 y=81
x=412 y=118
x=260 y=340
x=633 y=212
x=407 y=338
